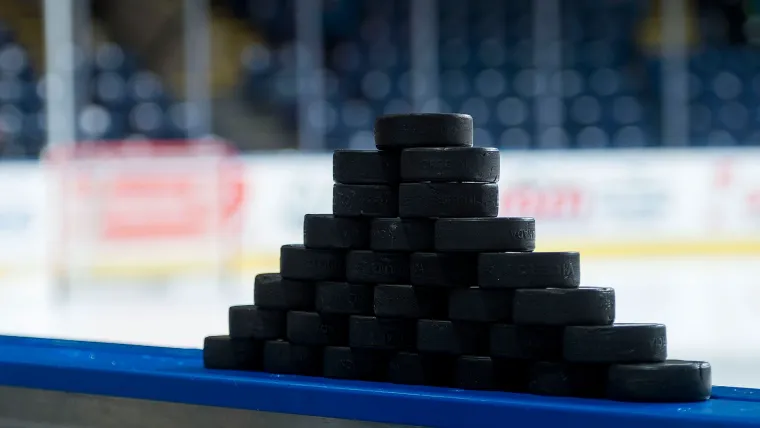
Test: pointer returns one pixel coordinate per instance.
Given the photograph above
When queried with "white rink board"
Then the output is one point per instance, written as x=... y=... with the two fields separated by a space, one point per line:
x=607 y=203
x=666 y=201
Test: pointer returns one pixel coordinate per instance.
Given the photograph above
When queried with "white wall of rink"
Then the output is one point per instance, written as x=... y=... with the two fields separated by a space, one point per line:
x=603 y=203
x=607 y=203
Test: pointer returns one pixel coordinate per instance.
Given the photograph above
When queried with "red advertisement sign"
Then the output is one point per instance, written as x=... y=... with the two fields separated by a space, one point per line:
x=545 y=202
x=155 y=195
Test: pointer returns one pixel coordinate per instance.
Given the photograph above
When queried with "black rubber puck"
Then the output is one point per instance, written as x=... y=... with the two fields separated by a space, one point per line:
x=617 y=343
x=286 y=358
x=513 y=375
x=270 y=291
x=476 y=372
x=433 y=200
x=252 y=322
x=410 y=368
x=526 y=342
x=335 y=233
x=365 y=167
x=313 y=329
x=568 y=380
x=480 y=305
x=381 y=333
x=344 y=298
x=407 y=301
x=529 y=270
x=485 y=234
x=397 y=234
x=444 y=270
x=670 y=381
x=226 y=353
x=342 y=362
x=450 y=164
x=376 y=268
x=452 y=337
x=365 y=200
x=402 y=131
x=568 y=306
x=486 y=373
x=299 y=262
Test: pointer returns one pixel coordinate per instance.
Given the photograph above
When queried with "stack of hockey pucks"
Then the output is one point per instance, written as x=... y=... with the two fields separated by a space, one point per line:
x=413 y=279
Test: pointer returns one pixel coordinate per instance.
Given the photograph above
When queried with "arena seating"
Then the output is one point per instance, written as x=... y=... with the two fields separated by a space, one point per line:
x=610 y=91
x=127 y=101
x=20 y=120
x=607 y=92
x=123 y=100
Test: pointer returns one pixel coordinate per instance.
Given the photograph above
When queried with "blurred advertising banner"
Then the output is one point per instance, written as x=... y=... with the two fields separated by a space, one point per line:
x=634 y=203
x=148 y=205
x=178 y=207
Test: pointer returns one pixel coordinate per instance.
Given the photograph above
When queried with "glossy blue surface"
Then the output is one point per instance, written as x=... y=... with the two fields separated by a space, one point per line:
x=177 y=375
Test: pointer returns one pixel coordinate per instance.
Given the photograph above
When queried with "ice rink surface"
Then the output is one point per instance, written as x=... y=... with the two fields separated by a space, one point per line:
x=711 y=307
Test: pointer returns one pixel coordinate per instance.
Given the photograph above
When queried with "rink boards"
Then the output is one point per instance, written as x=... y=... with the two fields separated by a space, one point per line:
x=55 y=383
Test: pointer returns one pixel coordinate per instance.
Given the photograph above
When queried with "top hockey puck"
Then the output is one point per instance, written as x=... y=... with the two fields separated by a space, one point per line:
x=403 y=131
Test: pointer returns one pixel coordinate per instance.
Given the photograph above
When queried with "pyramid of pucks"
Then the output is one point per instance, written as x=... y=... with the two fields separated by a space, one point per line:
x=414 y=279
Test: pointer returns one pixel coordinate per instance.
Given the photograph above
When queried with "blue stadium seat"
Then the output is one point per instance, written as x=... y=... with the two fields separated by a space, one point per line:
x=96 y=123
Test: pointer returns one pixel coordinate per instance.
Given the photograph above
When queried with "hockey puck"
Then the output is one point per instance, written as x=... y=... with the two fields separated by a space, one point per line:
x=485 y=373
x=443 y=270
x=513 y=375
x=365 y=167
x=617 y=343
x=670 y=381
x=450 y=164
x=381 y=333
x=526 y=342
x=569 y=306
x=410 y=368
x=313 y=329
x=434 y=200
x=342 y=362
x=270 y=291
x=397 y=234
x=299 y=262
x=281 y=357
x=406 y=301
x=480 y=305
x=252 y=322
x=377 y=268
x=344 y=298
x=402 y=131
x=568 y=380
x=529 y=270
x=476 y=372
x=485 y=234
x=452 y=337
x=226 y=353
x=335 y=233
x=365 y=200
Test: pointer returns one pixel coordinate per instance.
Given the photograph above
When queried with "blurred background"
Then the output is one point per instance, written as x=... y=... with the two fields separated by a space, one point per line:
x=156 y=153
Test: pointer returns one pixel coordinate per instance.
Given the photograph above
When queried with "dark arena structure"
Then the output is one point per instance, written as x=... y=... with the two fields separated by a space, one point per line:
x=379 y=213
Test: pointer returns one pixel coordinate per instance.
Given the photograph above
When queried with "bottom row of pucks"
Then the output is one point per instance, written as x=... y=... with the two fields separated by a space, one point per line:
x=669 y=381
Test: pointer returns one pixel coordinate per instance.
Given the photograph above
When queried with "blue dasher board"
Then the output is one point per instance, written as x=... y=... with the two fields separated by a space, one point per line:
x=56 y=383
